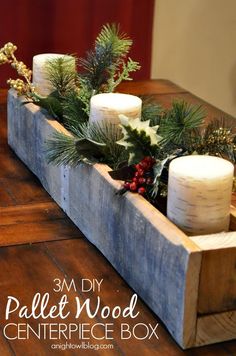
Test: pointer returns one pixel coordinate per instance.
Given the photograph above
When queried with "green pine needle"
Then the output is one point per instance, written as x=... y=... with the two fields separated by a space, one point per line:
x=62 y=74
x=108 y=134
x=74 y=111
x=106 y=65
x=179 y=122
x=96 y=67
x=92 y=142
x=111 y=35
x=61 y=150
x=151 y=111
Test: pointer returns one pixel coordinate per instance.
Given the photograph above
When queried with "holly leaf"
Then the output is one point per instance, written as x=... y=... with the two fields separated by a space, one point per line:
x=90 y=150
x=51 y=103
x=138 y=138
x=160 y=170
x=124 y=173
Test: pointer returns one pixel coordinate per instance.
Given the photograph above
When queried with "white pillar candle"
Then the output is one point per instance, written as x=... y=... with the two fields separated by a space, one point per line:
x=107 y=107
x=40 y=77
x=199 y=194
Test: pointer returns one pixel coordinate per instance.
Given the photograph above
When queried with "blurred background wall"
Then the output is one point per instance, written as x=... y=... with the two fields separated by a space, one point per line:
x=191 y=42
x=194 y=45
x=71 y=26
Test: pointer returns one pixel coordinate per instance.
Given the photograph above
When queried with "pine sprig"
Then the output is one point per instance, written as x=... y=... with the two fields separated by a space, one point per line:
x=62 y=74
x=111 y=35
x=74 y=111
x=106 y=65
x=151 y=111
x=61 y=150
x=91 y=143
x=96 y=67
x=178 y=123
x=107 y=134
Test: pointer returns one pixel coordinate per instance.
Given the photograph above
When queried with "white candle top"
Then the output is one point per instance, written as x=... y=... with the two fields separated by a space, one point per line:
x=116 y=101
x=201 y=167
x=107 y=107
x=42 y=58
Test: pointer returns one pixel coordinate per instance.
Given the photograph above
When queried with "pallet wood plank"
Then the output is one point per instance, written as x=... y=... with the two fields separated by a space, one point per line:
x=211 y=328
x=217 y=285
x=233 y=215
x=115 y=291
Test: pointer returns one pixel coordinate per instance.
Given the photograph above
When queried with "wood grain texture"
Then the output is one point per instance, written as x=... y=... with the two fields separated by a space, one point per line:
x=233 y=218
x=32 y=269
x=217 y=286
x=212 y=328
x=150 y=87
x=29 y=281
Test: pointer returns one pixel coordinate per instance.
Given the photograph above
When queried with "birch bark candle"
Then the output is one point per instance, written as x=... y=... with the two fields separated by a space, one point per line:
x=40 y=78
x=199 y=194
x=107 y=107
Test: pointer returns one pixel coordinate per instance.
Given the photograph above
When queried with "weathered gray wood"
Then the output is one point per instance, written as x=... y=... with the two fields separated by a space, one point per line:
x=157 y=259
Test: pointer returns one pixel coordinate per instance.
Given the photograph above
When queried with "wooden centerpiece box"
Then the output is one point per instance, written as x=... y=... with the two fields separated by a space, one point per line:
x=189 y=282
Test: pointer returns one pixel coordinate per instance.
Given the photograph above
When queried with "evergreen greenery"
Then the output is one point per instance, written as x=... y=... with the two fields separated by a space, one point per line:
x=162 y=134
x=151 y=110
x=74 y=111
x=106 y=65
x=159 y=134
x=179 y=123
x=62 y=74
x=61 y=150
x=52 y=104
x=103 y=68
x=90 y=143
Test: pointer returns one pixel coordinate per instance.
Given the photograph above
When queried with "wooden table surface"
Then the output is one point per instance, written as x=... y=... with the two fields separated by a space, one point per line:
x=28 y=214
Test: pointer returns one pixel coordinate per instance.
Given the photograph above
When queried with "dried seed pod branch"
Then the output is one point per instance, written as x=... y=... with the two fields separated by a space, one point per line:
x=22 y=86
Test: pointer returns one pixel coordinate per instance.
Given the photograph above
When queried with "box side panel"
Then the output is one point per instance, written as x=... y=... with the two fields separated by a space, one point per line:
x=217 y=285
x=146 y=249
x=27 y=133
x=215 y=328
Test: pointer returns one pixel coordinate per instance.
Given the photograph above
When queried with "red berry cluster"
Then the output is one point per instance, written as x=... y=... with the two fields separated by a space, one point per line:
x=142 y=176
